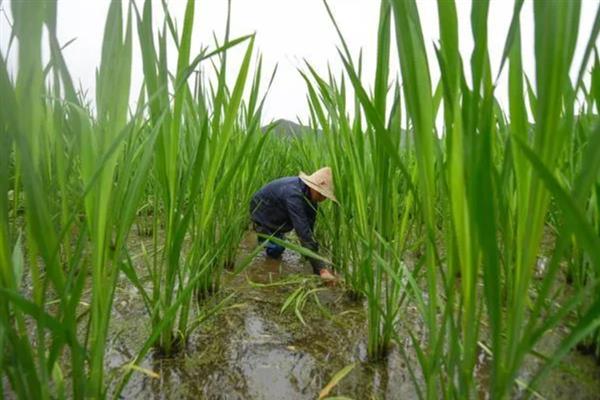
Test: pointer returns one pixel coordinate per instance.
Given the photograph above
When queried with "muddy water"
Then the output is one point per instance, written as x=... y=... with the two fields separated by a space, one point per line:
x=251 y=350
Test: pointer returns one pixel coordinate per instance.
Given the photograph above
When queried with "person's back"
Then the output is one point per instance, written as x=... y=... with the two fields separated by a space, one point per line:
x=270 y=206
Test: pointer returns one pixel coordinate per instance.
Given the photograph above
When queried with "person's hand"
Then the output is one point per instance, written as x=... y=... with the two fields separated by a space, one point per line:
x=326 y=275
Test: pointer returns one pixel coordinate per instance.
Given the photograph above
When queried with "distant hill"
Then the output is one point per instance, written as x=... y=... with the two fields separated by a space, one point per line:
x=287 y=128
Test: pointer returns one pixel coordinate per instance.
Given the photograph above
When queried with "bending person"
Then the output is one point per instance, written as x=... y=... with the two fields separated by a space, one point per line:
x=291 y=203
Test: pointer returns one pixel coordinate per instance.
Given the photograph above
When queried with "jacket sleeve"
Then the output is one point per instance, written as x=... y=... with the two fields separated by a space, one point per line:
x=303 y=225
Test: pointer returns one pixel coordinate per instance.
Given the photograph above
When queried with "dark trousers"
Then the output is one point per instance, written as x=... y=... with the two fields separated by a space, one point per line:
x=272 y=249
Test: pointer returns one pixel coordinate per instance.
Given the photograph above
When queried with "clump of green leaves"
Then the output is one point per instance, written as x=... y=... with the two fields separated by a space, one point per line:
x=79 y=178
x=475 y=198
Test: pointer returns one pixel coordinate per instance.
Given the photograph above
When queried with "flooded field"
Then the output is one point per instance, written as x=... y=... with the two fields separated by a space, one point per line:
x=457 y=184
x=252 y=350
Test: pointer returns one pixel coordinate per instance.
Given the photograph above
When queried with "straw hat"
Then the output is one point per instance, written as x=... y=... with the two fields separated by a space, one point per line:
x=321 y=181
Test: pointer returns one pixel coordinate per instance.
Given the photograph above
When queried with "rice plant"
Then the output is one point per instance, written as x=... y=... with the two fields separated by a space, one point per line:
x=77 y=177
x=484 y=189
x=206 y=141
x=73 y=232
x=369 y=232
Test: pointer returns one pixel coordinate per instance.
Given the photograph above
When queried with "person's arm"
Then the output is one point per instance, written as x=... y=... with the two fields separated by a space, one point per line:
x=296 y=206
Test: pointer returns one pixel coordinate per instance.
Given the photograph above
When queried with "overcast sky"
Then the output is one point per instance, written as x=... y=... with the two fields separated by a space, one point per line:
x=288 y=31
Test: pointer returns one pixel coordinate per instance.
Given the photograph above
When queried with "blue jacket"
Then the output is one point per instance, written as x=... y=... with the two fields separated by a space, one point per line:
x=283 y=205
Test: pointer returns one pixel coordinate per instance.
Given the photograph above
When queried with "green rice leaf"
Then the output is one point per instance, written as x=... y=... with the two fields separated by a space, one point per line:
x=341 y=374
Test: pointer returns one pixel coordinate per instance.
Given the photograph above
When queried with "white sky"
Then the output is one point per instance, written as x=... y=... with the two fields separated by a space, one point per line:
x=288 y=31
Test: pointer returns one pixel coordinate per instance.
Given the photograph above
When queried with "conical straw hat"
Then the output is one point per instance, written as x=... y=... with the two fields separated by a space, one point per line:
x=321 y=181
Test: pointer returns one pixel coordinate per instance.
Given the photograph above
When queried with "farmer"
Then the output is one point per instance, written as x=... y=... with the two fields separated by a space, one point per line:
x=291 y=203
